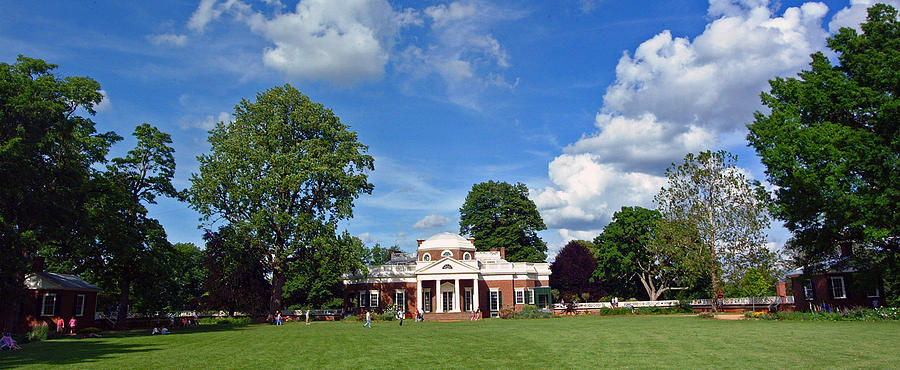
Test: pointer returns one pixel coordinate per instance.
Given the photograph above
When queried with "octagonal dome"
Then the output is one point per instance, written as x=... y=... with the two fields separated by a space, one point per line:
x=447 y=241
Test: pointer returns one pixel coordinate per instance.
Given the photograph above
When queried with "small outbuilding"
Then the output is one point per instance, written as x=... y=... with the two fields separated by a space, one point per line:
x=53 y=295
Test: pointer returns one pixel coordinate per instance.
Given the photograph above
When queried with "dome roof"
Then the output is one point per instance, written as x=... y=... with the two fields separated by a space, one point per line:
x=447 y=241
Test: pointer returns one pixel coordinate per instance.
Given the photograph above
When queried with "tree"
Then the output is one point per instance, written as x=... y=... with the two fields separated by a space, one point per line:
x=498 y=214
x=47 y=150
x=235 y=278
x=378 y=255
x=316 y=281
x=709 y=193
x=632 y=250
x=283 y=173
x=571 y=272
x=831 y=144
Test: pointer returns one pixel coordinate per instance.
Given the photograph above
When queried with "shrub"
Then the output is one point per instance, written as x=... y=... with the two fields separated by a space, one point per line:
x=706 y=315
x=38 y=333
x=529 y=312
x=89 y=330
x=225 y=321
x=861 y=314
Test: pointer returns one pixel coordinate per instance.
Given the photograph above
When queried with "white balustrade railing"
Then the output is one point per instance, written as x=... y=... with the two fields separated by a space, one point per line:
x=743 y=301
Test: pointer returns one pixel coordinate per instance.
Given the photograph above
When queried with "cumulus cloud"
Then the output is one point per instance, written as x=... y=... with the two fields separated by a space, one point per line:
x=671 y=96
x=168 y=39
x=104 y=103
x=342 y=42
x=366 y=237
x=855 y=14
x=432 y=221
x=209 y=122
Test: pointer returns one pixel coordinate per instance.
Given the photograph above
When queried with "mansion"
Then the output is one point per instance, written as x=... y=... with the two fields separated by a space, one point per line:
x=447 y=280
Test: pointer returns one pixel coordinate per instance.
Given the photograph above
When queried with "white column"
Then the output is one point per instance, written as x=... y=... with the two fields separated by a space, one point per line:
x=475 y=298
x=440 y=297
x=419 y=296
x=456 y=305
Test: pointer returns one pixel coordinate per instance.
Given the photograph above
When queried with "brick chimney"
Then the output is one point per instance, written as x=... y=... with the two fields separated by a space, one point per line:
x=420 y=241
x=471 y=240
x=502 y=253
x=38 y=264
x=781 y=289
x=846 y=249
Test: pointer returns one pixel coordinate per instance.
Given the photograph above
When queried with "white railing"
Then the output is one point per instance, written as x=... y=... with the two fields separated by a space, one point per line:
x=743 y=301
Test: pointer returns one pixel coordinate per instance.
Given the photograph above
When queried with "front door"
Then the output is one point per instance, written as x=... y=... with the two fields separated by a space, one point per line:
x=448 y=301
x=426 y=301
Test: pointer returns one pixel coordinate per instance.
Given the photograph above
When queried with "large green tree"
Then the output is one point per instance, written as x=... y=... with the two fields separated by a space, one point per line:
x=831 y=143
x=729 y=213
x=47 y=149
x=283 y=173
x=499 y=214
x=235 y=275
x=635 y=255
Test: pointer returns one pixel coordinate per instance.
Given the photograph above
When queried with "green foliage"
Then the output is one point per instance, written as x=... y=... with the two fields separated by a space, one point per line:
x=499 y=214
x=711 y=203
x=226 y=321
x=283 y=173
x=378 y=255
x=38 y=333
x=235 y=279
x=570 y=272
x=831 y=144
x=862 y=314
x=529 y=312
x=316 y=281
x=47 y=153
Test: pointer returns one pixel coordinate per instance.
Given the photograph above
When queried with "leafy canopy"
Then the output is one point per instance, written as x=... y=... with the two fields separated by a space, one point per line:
x=571 y=271
x=498 y=214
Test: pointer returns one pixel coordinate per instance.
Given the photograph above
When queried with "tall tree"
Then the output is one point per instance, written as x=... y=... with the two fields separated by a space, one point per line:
x=47 y=149
x=498 y=214
x=634 y=252
x=708 y=192
x=831 y=143
x=283 y=173
x=571 y=272
x=316 y=281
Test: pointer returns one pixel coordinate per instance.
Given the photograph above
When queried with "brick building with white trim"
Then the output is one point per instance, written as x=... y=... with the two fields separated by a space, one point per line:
x=447 y=280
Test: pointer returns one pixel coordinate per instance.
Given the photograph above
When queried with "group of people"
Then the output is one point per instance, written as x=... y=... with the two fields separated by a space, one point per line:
x=8 y=343
x=160 y=331
x=61 y=325
x=277 y=319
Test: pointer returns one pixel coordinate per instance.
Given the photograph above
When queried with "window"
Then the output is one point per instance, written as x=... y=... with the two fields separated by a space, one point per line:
x=837 y=287
x=400 y=300
x=447 y=267
x=363 y=298
x=48 y=306
x=373 y=298
x=426 y=257
x=874 y=292
x=467 y=256
x=447 y=301
x=79 y=305
x=808 y=292
x=520 y=296
x=467 y=300
x=494 y=303
x=529 y=296
x=446 y=254
x=426 y=300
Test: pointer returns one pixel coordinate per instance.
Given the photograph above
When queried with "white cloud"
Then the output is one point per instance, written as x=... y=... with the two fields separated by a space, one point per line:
x=671 y=96
x=209 y=122
x=432 y=221
x=366 y=237
x=168 y=39
x=855 y=14
x=104 y=104
x=206 y=12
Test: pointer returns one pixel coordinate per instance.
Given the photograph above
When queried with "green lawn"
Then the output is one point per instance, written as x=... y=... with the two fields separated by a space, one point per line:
x=569 y=342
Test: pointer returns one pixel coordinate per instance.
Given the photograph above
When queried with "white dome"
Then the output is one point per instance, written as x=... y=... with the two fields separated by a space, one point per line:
x=447 y=241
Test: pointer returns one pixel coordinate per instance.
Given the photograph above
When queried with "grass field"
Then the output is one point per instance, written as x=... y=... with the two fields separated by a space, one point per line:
x=569 y=342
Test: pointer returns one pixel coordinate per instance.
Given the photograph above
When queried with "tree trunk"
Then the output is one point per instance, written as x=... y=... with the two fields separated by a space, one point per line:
x=11 y=309
x=124 y=295
x=277 y=289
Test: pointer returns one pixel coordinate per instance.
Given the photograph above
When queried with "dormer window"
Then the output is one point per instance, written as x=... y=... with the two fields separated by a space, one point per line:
x=467 y=256
x=446 y=254
x=426 y=257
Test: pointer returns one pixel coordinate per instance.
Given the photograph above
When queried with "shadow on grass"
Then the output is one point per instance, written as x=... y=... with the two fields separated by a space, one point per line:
x=69 y=351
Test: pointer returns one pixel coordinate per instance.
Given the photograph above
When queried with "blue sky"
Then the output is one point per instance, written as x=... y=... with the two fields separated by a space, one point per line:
x=586 y=102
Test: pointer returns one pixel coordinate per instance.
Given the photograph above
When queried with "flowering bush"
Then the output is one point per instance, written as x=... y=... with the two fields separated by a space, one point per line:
x=861 y=314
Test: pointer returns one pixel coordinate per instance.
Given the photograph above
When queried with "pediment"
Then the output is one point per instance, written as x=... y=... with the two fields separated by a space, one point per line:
x=446 y=265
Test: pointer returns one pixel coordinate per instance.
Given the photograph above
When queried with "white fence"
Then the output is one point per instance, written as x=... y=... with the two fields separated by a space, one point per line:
x=744 y=301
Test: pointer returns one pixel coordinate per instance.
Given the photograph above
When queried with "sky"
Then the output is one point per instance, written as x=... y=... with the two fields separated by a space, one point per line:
x=586 y=102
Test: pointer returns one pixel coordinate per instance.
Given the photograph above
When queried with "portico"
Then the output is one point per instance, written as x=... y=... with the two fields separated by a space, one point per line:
x=447 y=293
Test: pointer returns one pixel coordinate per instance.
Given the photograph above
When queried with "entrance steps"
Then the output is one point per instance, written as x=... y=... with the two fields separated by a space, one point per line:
x=448 y=316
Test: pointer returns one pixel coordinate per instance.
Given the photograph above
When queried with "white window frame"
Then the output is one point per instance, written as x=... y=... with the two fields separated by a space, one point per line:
x=427 y=300
x=426 y=257
x=467 y=256
x=373 y=302
x=401 y=304
x=468 y=299
x=834 y=287
x=363 y=294
x=79 y=309
x=529 y=296
x=877 y=293
x=809 y=292
x=52 y=297
x=520 y=295
x=492 y=301
x=446 y=253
